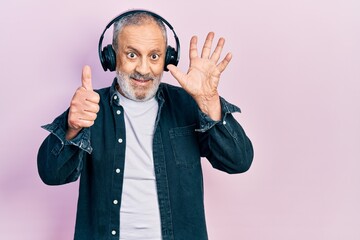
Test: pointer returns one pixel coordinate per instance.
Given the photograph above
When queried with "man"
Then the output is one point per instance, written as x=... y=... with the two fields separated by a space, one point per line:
x=137 y=144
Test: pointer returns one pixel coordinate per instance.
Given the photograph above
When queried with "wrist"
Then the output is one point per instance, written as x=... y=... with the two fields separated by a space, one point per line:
x=210 y=106
x=72 y=133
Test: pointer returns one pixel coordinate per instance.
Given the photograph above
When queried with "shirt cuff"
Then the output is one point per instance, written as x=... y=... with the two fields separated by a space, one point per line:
x=207 y=123
x=58 y=128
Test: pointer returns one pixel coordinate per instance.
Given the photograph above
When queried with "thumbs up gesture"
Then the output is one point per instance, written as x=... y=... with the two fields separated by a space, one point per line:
x=84 y=106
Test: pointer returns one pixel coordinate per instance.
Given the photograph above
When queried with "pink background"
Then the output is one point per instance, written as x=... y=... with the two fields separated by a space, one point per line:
x=295 y=74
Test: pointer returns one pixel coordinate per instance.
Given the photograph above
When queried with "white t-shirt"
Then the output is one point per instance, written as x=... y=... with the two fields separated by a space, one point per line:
x=139 y=212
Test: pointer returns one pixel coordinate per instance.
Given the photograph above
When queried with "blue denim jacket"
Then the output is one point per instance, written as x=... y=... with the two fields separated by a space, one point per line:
x=183 y=134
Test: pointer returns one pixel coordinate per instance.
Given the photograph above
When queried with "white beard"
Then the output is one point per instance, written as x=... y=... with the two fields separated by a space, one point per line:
x=137 y=93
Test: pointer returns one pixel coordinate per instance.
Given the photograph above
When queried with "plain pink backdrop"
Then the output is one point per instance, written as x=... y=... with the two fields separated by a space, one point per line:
x=295 y=74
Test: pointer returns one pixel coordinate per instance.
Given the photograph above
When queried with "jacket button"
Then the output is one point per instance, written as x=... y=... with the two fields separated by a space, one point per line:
x=113 y=232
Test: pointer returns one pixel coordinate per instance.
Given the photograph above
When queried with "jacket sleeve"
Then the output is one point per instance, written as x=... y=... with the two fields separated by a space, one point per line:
x=59 y=160
x=224 y=143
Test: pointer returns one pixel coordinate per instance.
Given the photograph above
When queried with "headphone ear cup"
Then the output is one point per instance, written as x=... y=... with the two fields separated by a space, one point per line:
x=109 y=58
x=170 y=57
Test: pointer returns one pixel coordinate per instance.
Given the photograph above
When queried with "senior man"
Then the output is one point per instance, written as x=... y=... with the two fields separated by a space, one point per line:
x=136 y=146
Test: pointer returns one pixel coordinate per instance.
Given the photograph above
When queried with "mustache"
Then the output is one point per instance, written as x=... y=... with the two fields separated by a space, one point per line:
x=140 y=76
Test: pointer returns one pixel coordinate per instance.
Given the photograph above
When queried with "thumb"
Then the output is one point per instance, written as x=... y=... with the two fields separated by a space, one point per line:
x=177 y=74
x=86 y=78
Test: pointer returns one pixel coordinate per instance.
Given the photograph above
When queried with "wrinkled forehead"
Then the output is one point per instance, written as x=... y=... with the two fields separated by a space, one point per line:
x=145 y=36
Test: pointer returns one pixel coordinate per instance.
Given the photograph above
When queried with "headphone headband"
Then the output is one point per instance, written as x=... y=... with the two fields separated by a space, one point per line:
x=108 y=58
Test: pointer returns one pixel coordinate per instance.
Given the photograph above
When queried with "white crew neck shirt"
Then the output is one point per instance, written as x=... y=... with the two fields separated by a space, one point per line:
x=139 y=211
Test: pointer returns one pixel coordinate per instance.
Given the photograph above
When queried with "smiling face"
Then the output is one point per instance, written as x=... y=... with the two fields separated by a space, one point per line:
x=140 y=60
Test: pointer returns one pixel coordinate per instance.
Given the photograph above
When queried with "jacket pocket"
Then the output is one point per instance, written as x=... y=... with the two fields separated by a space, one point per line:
x=185 y=146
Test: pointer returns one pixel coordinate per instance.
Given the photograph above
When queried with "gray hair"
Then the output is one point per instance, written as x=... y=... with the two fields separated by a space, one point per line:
x=137 y=18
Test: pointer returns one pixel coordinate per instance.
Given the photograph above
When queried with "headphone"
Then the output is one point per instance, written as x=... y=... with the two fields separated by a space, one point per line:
x=107 y=54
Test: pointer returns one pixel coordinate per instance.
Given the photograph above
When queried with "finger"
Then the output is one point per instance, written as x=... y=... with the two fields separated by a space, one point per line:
x=222 y=65
x=78 y=122
x=86 y=78
x=91 y=107
x=207 y=45
x=93 y=97
x=177 y=74
x=88 y=116
x=217 y=52
x=193 y=53
x=83 y=123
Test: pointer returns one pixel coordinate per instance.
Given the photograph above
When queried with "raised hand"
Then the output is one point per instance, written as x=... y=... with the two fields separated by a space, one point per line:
x=84 y=106
x=202 y=79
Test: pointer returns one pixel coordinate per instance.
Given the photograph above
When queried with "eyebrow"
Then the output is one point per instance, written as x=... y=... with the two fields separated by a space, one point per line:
x=127 y=48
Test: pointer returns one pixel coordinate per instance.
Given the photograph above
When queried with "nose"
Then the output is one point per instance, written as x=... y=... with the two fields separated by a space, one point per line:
x=143 y=66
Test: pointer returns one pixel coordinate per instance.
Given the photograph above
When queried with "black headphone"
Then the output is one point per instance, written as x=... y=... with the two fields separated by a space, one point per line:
x=108 y=56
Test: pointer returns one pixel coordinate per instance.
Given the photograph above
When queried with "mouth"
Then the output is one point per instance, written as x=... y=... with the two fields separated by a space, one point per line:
x=140 y=81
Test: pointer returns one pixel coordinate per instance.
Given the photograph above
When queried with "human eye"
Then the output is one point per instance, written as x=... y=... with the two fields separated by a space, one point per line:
x=131 y=55
x=154 y=56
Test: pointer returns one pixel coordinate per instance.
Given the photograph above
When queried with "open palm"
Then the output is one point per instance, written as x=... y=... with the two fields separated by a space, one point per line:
x=202 y=78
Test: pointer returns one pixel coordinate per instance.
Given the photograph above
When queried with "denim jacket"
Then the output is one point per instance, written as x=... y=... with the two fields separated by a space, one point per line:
x=183 y=134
